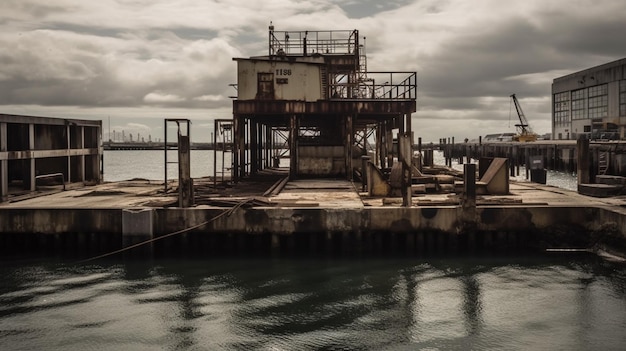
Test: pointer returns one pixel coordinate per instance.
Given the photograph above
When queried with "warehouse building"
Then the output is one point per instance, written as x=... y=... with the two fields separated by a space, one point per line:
x=591 y=102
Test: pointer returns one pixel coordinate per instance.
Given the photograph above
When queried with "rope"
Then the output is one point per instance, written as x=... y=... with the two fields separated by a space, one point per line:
x=149 y=241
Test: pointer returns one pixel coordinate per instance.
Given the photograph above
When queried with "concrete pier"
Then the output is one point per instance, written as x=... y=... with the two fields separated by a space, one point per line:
x=311 y=217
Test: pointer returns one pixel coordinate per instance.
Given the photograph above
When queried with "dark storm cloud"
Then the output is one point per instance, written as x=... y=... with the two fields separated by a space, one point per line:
x=133 y=58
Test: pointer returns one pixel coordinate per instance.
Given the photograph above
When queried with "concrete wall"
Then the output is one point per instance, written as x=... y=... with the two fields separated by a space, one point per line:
x=359 y=230
x=291 y=80
x=321 y=160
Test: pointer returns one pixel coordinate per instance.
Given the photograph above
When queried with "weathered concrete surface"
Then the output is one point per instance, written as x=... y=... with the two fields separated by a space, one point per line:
x=323 y=208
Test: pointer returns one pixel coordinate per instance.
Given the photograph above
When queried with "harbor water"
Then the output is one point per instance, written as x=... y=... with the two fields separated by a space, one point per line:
x=149 y=164
x=470 y=303
x=551 y=301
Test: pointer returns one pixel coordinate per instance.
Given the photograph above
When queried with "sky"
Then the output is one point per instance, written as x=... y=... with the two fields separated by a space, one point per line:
x=132 y=63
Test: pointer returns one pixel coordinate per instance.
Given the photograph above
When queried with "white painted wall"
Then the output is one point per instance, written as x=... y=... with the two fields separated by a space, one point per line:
x=302 y=80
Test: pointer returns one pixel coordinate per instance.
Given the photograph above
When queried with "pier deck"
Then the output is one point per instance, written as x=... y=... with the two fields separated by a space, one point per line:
x=319 y=193
x=313 y=215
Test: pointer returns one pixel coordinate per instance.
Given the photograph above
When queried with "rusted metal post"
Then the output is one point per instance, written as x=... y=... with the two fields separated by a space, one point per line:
x=348 y=147
x=404 y=156
x=293 y=147
x=185 y=182
x=254 y=147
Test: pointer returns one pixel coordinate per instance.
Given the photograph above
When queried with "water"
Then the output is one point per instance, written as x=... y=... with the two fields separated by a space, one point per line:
x=513 y=303
x=149 y=164
x=439 y=303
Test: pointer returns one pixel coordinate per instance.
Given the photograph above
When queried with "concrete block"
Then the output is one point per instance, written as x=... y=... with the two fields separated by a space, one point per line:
x=137 y=226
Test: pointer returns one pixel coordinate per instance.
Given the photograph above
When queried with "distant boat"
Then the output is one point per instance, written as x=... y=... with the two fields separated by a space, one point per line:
x=499 y=137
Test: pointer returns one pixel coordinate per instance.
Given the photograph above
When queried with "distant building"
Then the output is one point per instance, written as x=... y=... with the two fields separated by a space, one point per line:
x=590 y=102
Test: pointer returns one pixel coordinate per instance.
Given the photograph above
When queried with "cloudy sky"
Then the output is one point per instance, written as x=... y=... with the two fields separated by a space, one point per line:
x=135 y=62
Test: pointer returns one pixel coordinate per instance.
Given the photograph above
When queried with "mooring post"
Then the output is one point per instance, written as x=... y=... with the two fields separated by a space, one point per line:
x=582 y=146
x=469 y=185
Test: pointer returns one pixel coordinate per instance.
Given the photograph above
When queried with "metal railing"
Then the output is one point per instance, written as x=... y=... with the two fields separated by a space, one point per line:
x=335 y=42
x=376 y=85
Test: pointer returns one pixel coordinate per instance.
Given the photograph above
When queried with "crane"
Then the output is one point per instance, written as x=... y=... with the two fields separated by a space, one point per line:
x=525 y=132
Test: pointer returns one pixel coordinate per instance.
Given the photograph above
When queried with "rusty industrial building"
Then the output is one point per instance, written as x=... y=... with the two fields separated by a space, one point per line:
x=313 y=102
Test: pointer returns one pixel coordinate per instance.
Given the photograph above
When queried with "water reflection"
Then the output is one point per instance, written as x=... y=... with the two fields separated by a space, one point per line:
x=315 y=304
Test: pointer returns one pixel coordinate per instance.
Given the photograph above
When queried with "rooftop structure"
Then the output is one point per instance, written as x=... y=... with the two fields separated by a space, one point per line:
x=312 y=101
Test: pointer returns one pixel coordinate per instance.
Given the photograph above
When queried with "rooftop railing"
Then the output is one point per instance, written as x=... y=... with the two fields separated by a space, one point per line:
x=334 y=42
x=377 y=85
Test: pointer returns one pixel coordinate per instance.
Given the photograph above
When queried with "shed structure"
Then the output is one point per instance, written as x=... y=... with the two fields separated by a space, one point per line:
x=36 y=150
x=312 y=101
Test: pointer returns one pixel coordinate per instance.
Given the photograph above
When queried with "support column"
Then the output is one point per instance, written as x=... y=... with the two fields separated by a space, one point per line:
x=68 y=148
x=31 y=174
x=185 y=182
x=254 y=147
x=469 y=185
x=389 y=143
x=4 y=164
x=405 y=157
x=348 y=147
x=293 y=147
x=380 y=155
x=81 y=158
x=268 y=146
x=240 y=143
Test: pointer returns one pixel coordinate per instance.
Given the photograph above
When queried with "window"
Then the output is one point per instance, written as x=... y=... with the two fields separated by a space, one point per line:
x=579 y=105
x=598 y=101
x=561 y=109
x=265 y=86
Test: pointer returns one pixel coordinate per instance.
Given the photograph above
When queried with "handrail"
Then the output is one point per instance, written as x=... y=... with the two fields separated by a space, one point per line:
x=377 y=85
x=331 y=42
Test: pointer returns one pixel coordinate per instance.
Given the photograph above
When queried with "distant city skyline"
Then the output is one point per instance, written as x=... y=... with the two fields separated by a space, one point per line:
x=138 y=62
